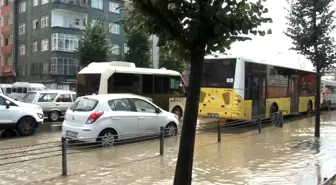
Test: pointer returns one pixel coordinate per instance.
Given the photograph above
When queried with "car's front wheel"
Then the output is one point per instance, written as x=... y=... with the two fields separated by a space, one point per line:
x=171 y=130
x=26 y=126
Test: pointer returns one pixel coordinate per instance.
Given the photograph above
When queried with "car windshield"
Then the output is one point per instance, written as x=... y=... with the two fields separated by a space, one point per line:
x=84 y=104
x=29 y=97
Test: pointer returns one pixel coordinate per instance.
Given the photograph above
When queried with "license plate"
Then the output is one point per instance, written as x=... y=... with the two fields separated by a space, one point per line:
x=71 y=134
x=213 y=115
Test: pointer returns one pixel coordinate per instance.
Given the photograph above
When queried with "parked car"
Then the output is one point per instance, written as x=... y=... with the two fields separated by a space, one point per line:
x=53 y=102
x=23 y=117
x=106 y=118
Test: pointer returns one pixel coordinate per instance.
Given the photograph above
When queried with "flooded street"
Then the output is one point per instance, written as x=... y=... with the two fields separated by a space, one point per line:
x=288 y=155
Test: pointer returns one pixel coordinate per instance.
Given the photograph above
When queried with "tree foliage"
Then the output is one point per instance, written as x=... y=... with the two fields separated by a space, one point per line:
x=198 y=27
x=170 y=60
x=139 y=51
x=95 y=45
x=310 y=23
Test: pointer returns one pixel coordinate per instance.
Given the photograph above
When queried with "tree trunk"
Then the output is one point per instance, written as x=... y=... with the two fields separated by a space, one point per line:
x=183 y=171
x=317 y=103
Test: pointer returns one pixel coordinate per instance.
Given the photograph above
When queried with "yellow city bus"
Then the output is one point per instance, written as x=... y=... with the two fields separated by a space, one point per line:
x=236 y=88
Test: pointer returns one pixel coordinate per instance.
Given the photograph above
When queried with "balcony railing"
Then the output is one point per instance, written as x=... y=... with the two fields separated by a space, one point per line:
x=7 y=30
x=81 y=3
x=6 y=9
x=7 y=70
x=7 y=49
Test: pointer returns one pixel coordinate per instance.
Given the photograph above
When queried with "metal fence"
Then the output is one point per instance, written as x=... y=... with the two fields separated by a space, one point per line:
x=68 y=146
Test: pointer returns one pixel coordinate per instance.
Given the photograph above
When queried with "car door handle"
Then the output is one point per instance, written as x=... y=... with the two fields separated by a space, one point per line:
x=57 y=104
x=115 y=118
x=141 y=117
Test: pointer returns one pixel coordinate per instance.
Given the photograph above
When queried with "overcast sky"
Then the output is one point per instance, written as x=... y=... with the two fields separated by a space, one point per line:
x=273 y=48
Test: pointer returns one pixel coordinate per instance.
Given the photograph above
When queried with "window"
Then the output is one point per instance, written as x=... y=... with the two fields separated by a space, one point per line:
x=113 y=7
x=47 y=97
x=22 y=7
x=44 y=45
x=125 y=48
x=142 y=106
x=22 y=49
x=2 y=101
x=115 y=49
x=218 y=73
x=35 y=24
x=64 y=98
x=176 y=85
x=44 y=2
x=22 y=28
x=84 y=105
x=44 y=21
x=29 y=97
x=120 y=105
x=35 y=2
x=97 y=4
x=24 y=90
x=114 y=28
x=63 y=66
x=147 y=88
x=35 y=47
x=64 y=42
x=124 y=83
x=19 y=89
x=161 y=84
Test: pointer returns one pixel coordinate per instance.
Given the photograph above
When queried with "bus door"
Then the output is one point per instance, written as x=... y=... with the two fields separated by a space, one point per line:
x=294 y=94
x=258 y=95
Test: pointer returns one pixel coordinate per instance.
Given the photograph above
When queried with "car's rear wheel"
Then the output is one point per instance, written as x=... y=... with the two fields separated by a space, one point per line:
x=54 y=115
x=26 y=126
x=170 y=130
x=107 y=138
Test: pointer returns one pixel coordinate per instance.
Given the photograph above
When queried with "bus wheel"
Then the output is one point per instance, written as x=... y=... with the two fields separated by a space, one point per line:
x=177 y=111
x=309 y=108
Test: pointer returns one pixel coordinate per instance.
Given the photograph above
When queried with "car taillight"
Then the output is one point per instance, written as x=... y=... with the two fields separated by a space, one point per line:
x=323 y=95
x=94 y=116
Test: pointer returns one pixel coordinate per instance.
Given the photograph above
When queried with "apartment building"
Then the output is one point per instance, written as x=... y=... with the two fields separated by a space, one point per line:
x=46 y=35
x=7 y=71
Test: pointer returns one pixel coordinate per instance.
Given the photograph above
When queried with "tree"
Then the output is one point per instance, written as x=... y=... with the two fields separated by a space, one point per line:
x=139 y=50
x=95 y=45
x=138 y=42
x=199 y=27
x=169 y=60
x=310 y=23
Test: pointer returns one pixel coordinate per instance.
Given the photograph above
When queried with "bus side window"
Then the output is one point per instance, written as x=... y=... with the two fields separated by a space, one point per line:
x=20 y=90
x=14 y=90
x=248 y=92
x=24 y=90
x=147 y=85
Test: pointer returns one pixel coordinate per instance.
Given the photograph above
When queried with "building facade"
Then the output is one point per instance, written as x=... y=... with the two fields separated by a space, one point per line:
x=41 y=45
x=6 y=42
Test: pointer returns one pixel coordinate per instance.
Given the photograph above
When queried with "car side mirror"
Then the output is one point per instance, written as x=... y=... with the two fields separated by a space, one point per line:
x=7 y=102
x=157 y=110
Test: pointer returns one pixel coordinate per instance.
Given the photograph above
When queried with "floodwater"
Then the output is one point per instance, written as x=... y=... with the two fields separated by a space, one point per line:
x=288 y=155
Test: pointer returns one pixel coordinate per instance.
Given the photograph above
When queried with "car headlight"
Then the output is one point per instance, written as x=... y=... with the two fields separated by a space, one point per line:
x=176 y=116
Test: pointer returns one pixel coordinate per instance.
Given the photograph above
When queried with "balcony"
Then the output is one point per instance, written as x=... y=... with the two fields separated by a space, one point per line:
x=6 y=30
x=72 y=5
x=7 y=70
x=7 y=49
x=6 y=9
x=68 y=19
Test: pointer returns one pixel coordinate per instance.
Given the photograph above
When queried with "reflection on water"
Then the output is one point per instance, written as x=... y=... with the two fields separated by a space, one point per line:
x=277 y=156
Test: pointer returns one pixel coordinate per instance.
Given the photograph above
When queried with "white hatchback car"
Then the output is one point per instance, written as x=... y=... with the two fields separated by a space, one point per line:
x=110 y=117
x=23 y=117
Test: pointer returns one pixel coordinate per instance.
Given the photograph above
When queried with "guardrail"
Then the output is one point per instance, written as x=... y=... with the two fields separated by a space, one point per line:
x=69 y=146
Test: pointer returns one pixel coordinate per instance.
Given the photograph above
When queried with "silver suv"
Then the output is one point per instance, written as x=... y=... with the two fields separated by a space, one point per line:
x=53 y=102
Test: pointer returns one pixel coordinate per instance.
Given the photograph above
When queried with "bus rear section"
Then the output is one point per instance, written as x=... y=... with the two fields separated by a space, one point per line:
x=222 y=89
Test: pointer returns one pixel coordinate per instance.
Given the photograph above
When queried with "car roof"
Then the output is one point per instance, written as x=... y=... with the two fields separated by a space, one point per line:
x=114 y=96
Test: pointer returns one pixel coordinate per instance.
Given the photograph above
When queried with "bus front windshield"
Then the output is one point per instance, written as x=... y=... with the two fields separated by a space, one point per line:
x=218 y=73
